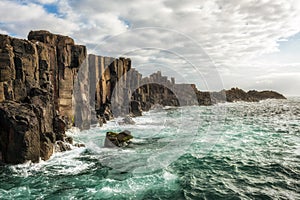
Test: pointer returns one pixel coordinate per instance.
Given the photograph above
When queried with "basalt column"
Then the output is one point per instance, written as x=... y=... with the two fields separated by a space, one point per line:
x=36 y=89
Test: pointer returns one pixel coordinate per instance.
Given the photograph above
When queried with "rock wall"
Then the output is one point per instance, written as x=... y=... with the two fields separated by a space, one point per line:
x=47 y=83
x=102 y=81
x=113 y=88
x=36 y=88
x=157 y=89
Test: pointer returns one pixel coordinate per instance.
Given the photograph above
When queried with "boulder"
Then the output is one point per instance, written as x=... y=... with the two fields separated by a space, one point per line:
x=121 y=139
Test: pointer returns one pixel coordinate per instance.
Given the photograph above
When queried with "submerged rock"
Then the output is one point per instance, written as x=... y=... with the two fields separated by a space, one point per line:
x=127 y=120
x=121 y=139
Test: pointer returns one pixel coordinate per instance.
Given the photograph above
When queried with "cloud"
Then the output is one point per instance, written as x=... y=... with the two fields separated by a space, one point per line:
x=47 y=1
x=231 y=35
x=3 y=32
x=18 y=19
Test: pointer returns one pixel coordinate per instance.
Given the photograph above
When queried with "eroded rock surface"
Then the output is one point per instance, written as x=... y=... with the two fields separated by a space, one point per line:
x=36 y=88
x=121 y=139
x=41 y=97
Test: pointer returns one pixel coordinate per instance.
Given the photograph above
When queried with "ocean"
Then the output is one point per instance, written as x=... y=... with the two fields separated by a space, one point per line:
x=227 y=151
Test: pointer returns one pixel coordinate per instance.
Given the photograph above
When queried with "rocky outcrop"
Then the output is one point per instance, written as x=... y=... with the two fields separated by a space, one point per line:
x=158 y=90
x=48 y=84
x=121 y=139
x=261 y=95
x=236 y=94
x=59 y=60
x=36 y=89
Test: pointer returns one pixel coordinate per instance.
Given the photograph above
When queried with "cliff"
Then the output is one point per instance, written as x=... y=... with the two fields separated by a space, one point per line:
x=157 y=89
x=36 y=86
x=48 y=84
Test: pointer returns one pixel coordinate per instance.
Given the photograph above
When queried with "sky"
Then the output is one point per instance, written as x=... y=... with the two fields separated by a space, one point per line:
x=251 y=44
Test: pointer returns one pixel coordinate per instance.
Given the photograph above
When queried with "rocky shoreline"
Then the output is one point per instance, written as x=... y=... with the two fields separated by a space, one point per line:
x=41 y=95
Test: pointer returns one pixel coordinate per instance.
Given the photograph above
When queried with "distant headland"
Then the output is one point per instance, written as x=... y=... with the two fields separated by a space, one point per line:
x=49 y=84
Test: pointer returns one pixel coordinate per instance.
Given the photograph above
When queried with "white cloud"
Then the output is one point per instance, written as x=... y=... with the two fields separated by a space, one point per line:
x=3 y=32
x=19 y=19
x=47 y=1
x=233 y=34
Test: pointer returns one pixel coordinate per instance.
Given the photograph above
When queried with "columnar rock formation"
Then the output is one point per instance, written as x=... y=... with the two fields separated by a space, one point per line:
x=47 y=83
x=157 y=89
x=36 y=87
x=100 y=77
x=112 y=72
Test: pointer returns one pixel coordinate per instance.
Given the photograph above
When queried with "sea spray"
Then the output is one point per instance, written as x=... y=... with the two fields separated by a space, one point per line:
x=255 y=155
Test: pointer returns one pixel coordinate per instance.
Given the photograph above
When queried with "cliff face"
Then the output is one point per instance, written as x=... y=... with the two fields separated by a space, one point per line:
x=157 y=89
x=107 y=76
x=102 y=81
x=36 y=86
x=47 y=83
x=109 y=87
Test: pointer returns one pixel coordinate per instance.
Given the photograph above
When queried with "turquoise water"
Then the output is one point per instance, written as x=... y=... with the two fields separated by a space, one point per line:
x=227 y=151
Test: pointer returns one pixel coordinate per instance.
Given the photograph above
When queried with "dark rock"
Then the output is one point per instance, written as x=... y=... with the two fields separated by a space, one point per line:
x=108 y=115
x=265 y=95
x=135 y=108
x=158 y=93
x=61 y=146
x=204 y=98
x=59 y=127
x=47 y=145
x=51 y=136
x=38 y=73
x=236 y=94
x=19 y=133
x=69 y=140
x=79 y=145
x=124 y=136
x=121 y=139
x=1 y=157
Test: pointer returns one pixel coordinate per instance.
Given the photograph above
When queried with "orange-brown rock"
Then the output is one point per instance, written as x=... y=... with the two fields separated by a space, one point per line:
x=36 y=87
x=40 y=95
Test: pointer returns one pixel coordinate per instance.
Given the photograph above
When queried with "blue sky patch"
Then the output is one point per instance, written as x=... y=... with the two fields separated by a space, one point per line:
x=291 y=45
x=51 y=8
